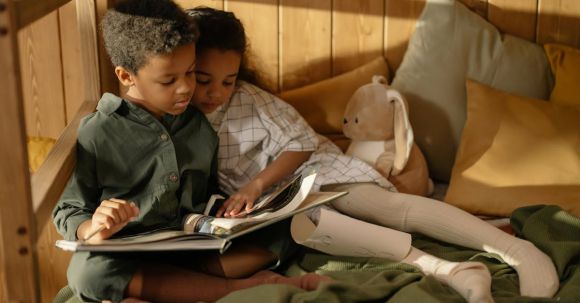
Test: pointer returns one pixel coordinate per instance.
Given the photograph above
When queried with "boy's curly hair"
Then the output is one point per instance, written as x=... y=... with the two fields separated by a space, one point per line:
x=136 y=29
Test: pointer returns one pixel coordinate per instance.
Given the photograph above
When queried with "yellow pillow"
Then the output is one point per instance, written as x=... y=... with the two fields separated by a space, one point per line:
x=515 y=151
x=322 y=104
x=38 y=149
x=565 y=64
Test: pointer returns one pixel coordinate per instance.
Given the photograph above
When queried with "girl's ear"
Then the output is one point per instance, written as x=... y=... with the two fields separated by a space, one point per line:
x=124 y=76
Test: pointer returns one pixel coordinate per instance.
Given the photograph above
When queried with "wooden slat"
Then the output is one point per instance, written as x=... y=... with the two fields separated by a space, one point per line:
x=28 y=11
x=401 y=17
x=17 y=229
x=42 y=81
x=559 y=21
x=305 y=48
x=86 y=19
x=514 y=17
x=260 y=21
x=71 y=53
x=357 y=33
x=51 y=177
x=52 y=263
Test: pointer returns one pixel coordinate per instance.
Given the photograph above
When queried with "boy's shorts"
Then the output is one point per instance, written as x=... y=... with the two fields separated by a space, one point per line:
x=97 y=276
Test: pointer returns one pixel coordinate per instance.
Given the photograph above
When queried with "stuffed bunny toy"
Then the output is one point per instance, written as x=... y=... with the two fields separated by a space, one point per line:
x=376 y=121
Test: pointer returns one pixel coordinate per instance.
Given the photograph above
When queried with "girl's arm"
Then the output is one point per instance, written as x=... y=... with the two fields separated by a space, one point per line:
x=278 y=170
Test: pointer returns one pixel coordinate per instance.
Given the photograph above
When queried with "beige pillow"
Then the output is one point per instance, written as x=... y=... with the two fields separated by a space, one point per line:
x=322 y=104
x=449 y=45
x=515 y=151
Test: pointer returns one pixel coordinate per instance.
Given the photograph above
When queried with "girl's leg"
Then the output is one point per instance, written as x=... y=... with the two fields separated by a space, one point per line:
x=335 y=233
x=372 y=203
x=165 y=283
x=240 y=261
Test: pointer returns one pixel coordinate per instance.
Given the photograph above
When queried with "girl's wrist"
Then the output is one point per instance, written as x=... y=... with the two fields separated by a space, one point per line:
x=258 y=185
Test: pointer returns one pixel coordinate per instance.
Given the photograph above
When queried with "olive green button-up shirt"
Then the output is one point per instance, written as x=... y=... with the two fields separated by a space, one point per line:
x=167 y=167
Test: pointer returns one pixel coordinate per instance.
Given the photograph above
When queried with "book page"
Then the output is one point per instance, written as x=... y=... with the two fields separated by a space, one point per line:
x=291 y=198
x=313 y=200
x=152 y=241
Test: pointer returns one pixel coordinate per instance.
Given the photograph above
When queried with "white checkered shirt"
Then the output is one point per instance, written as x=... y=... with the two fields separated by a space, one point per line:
x=255 y=127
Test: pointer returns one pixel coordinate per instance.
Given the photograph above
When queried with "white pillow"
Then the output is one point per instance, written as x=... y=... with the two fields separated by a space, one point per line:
x=449 y=45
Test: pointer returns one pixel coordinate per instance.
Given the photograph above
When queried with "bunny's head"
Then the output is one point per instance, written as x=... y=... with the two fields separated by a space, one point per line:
x=376 y=112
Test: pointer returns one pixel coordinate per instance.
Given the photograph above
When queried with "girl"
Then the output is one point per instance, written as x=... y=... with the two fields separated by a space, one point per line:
x=263 y=140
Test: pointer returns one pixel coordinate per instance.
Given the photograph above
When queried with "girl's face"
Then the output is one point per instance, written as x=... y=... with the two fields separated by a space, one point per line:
x=216 y=73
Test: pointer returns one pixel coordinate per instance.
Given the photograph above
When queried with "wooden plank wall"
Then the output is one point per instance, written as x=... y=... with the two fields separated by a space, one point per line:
x=301 y=42
x=294 y=42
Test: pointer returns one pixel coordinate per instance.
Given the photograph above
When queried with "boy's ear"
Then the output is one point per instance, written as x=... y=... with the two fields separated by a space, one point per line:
x=124 y=76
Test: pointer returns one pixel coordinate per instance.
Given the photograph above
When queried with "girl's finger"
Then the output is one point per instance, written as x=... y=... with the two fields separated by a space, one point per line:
x=249 y=205
x=236 y=208
x=135 y=209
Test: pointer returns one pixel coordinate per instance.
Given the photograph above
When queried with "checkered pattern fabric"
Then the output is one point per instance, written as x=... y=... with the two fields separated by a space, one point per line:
x=255 y=127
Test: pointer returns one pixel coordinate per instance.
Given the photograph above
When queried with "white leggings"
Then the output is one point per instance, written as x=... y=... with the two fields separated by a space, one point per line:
x=409 y=213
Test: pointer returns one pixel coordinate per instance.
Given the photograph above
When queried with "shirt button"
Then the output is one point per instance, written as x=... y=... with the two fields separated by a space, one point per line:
x=173 y=178
x=164 y=137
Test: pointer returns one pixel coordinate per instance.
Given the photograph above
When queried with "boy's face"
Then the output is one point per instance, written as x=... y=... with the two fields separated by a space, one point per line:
x=216 y=73
x=165 y=84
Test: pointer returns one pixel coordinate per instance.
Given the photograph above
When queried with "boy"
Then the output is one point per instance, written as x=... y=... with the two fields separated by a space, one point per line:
x=143 y=162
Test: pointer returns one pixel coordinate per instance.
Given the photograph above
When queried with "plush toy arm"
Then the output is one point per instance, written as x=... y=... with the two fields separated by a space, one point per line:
x=414 y=179
x=384 y=163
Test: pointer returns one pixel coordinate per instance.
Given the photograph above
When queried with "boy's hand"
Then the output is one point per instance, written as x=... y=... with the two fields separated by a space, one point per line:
x=113 y=214
x=242 y=200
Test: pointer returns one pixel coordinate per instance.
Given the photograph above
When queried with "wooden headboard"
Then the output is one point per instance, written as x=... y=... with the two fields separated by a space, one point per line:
x=53 y=70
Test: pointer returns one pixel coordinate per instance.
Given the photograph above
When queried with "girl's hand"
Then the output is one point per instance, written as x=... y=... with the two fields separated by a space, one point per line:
x=113 y=215
x=242 y=200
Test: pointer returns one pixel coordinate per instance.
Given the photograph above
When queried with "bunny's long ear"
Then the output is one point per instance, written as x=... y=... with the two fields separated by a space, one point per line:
x=403 y=131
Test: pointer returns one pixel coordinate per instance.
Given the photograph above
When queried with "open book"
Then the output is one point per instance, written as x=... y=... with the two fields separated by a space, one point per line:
x=202 y=231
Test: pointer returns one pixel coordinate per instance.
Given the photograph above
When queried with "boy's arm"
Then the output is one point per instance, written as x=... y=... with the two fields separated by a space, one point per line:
x=278 y=170
x=80 y=197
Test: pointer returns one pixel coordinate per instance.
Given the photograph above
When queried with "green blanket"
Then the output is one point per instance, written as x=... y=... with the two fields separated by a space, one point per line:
x=554 y=231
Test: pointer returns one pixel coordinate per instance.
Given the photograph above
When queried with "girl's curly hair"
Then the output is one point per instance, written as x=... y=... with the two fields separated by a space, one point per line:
x=136 y=29
x=224 y=31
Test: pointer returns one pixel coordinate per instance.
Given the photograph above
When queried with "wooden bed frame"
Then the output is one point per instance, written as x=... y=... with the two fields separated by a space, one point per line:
x=298 y=42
